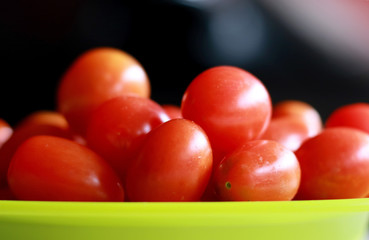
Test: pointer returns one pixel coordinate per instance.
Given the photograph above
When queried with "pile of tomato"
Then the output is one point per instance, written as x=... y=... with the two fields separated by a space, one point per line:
x=108 y=141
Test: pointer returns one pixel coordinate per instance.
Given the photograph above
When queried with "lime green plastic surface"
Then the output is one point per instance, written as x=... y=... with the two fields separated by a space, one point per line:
x=327 y=219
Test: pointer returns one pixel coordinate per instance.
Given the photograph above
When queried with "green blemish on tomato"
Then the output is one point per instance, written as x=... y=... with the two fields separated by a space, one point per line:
x=228 y=185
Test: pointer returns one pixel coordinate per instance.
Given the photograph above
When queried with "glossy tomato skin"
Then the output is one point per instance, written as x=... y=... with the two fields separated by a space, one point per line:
x=119 y=125
x=173 y=164
x=173 y=111
x=353 y=115
x=5 y=132
x=334 y=165
x=37 y=123
x=295 y=108
x=230 y=104
x=260 y=170
x=94 y=77
x=49 y=168
x=290 y=131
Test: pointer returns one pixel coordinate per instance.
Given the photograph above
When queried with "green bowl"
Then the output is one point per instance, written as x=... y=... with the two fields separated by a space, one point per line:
x=324 y=219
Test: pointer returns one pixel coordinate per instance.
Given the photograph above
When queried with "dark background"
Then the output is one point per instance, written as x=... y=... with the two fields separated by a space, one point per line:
x=173 y=40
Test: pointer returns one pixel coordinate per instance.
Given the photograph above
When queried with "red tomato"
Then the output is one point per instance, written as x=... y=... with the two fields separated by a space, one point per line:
x=210 y=194
x=260 y=170
x=5 y=132
x=173 y=111
x=230 y=104
x=173 y=164
x=6 y=194
x=334 y=164
x=38 y=123
x=291 y=132
x=94 y=77
x=354 y=115
x=49 y=168
x=118 y=127
x=296 y=108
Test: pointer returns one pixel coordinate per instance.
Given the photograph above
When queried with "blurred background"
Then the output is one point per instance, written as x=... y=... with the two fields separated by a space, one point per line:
x=315 y=51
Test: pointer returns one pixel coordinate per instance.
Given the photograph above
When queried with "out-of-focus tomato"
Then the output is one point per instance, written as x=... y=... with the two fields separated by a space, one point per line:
x=118 y=127
x=230 y=104
x=260 y=170
x=37 y=123
x=289 y=131
x=6 y=194
x=173 y=164
x=296 y=108
x=173 y=111
x=5 y=132
x=56 y=169
x=94 y=77
x=355 y=115
x=334 y=164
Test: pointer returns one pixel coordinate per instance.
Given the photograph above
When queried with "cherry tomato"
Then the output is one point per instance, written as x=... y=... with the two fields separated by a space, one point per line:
x=296 y=108
x=260 y=170
x=334 y=164
x=173 y=111
x=230 y=104
x=118 y=127
x=49 y=168
x=37 y=123
x=210 y=194
x=6 y=194
x=94 y=77
x=289 y=131
x=5 y=132
x=355 y=115
x=173 y=164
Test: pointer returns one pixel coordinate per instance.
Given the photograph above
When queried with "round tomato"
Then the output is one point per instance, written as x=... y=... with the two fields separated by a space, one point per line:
x=37 y=123
x=173 y=164
x=260 y=170
x=173 y=111
x=294 y=108
x=94 y=77
x=119 y=125
x=49 y=168
x=230 y=104
x=290 y=131
x=334 y=164
x=355 y=115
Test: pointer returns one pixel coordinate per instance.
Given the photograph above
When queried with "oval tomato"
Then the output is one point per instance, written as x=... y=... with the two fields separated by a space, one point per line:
x=295 y=108
x=260 y=170
x=96 y=76
x=230 y=104
x=173 y=164
x=49 y=168
x=334 y=164
x=355 y=115
x=118 y=127
x=37 y=123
